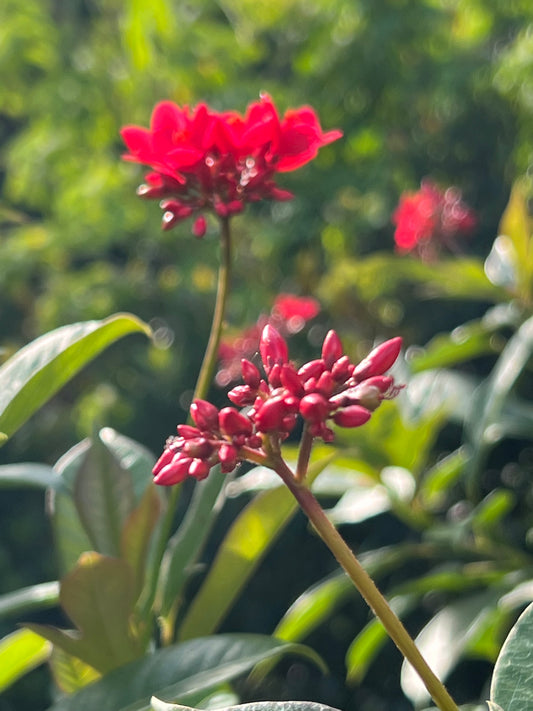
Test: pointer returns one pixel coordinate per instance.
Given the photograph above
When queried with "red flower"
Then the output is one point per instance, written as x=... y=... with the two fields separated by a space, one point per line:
x=205 y=160
x=429 y=218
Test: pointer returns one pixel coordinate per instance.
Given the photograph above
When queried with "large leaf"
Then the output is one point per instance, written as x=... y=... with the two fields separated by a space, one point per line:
x=70 y=673
x=177 y=672
x=516 y=225
x=512 y=681
x=98 y=596
x=36 y=372
x=158 y=705
x=247 y=541
x=20 y=652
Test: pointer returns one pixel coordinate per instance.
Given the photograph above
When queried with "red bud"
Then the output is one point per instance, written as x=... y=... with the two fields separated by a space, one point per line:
x=233 y=422
x=379 y=360
x=199 y=469
x=352 y=416
x=173 y=473
x=273 y=348
x=271 y=414
x=204 y=414
x=331 y=349
x=250 y=374
x=314 y=407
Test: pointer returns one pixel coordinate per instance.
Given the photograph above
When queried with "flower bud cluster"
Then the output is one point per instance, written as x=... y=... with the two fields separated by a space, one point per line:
x=330 y=388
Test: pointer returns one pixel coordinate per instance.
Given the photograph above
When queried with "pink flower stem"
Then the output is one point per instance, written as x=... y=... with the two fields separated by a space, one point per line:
x=366 y=586
x=306 y=444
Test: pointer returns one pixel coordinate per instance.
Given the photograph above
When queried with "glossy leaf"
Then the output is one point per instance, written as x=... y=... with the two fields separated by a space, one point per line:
x=158 y=705
x=20 y=652
x=178 y=672
x=36 y=372
x=98 y=596
x=247 y=541
x=512 y=680
x=516 y=225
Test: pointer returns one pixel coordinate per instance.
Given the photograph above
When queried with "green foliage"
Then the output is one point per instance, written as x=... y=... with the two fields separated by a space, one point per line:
x=20 y=652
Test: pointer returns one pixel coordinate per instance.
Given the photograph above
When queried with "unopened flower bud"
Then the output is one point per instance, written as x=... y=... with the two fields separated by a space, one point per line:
x=173 y=473
x=205 y=415
x=199 y=469
x=314 y=407
x=241 y=395
x=379 y=360
x=325 y=383
x=227 y=455
x=290 y=380
x=342 y=369
x=255 y=442
x=188 y=432
x=233 y=422
x=167 y=456
x=270 y=415
x=199 y=448
x=313 y=369
x=274 y=377
x=250 y=374
x=352 y=416
x=331 y=349
x=273 y=348
x=199 y=227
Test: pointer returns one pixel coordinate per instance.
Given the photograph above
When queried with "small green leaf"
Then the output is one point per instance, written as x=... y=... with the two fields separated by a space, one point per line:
x=20 y=652
x=137 y=533
x=512 y=680
x=70 y=673
x=104 y=497
x=516 y=224
x=98 y=596
x=178 y=672
x=36 y=372
x=245 y=544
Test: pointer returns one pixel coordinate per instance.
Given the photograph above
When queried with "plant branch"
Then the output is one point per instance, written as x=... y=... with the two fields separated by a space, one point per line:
x=366 y=586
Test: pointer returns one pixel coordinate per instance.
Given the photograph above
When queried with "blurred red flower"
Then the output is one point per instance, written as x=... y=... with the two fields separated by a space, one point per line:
x=205 y=160
x=430 y=218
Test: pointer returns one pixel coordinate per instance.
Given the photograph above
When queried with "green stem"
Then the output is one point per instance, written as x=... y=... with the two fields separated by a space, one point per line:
x=366 y=586
x=202 y=386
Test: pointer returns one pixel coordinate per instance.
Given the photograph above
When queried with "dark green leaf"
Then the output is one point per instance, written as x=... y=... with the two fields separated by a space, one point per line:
x=36 y=597
x=29 y=474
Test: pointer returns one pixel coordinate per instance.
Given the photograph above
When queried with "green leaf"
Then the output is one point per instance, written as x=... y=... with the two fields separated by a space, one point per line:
x=98 y=596
x=133 y=457
x=104 y=497
x=35 y=597
x=516 y=224
x=70 y=673
x=36 y=372
x=28 y=474
x=20 y=652
x=178 y=672
x=313 y=606
x=443 y=475
x=512 y=680
x=186 y=545
x=483 y=427
x=247 y=541
x=158 y=705
x=444 y=639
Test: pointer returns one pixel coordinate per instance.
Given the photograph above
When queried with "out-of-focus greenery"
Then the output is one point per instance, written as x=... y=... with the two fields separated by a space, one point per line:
x=419 y=87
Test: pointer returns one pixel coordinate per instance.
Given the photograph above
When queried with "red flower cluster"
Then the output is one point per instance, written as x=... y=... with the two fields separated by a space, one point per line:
x=430 y=217
x=289 y=315
x=329 y=388
x=204 y=160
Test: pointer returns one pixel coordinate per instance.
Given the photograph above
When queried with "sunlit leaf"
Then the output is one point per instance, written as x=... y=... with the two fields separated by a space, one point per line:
x=20 y=652
x=36 y=372
x=158 y=705
x=35 y=597
x=70 y=673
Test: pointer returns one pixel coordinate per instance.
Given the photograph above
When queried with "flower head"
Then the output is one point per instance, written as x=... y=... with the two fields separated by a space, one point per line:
x=429 y=218
x=329 y=389
x=203 y=160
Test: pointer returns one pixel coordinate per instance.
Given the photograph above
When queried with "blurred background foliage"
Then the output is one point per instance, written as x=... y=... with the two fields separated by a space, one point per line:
x=419 y=87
